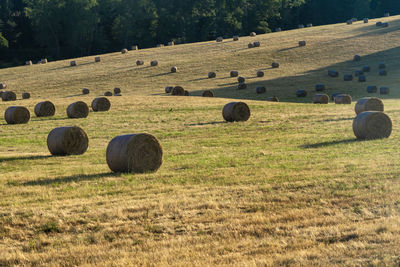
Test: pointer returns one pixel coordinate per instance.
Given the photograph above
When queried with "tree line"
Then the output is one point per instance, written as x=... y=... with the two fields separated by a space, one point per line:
x=58 y=29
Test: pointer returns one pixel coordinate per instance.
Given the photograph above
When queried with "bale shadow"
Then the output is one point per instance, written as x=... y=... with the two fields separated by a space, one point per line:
x=77 y=65
x=158 y=75
x=206 y=123
x=331 y=143
x=50 y=119
x=68 y=96
x=339 y=119
x=33 y=157
x=288 y=48
x=68 y=179
x=199 y=79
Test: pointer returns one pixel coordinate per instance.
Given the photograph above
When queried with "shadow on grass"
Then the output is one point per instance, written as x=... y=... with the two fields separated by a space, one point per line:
x=160 y=74
x=49 y=119
x=69 y=179
x=331 y=143
x=68 y=96
x=25 y=158
x=77 y=66
x=339 y=119
x=205 y=123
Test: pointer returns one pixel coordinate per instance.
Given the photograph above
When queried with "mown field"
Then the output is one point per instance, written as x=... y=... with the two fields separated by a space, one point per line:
x=291 y=186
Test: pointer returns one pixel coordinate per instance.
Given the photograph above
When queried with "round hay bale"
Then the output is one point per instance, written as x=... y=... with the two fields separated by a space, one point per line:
x=302 y=43
x=278 y=29
x=171 y=43
x=349 y=22
x=321 y=99
x=320 y=87
x=371 y=89
x=124 y=51
x=85 y=91
x=357 y=73
x=78 y=109
x=385 y=24
x=387 y=14
x=308 y=25
x=212 y=74
x=178 y=90
x=168 y=89
x=43 y=61
x=117 y=90
x=382 y=72
x=235 y=38
x=372 y=125
x=275 y=65
x=28 y=63
x=97 y=59
x=63 y=141
x=134 y=153
x=253 y=34
x=236 y=111
x=234 y=73
x=333 y=73
x=241 y=79
x=256 y=44
x=381 y=65
x=369 y=104
x=250 y=45
x=333 y=96
x=343 y=99
x=45 y=109
x=108 y=93
x=301 y=93
x=8 y=96
x=219 y=39
x=101 y=104
x=348 y=77
x=26 y=95
x=261 y=90
x=300 y=26
x=260 y=73
x=72 y=63
x=366 y=20
x=139 y=62
x=187 y=93
x=134 y=47
x=208 y=93
x=3 y=85
x=174 y=69
x=357 y=58
x=366 y=69
x=272 y=99
x=379 y=24
x=354 y=19
x=384 y=90
x=242 y=86
x=362 y=78
x=17 y=115
x=160 y=45
x=154 y=63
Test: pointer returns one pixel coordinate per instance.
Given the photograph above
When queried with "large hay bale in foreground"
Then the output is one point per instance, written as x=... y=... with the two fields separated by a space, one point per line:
x=372 y=125
x=357 y=58
x=320 y=87
x=261 y=90
x=272 y=99
x=208 y=93
x=343 y=99
x=220 y=39
x=174 y=69
x=17 y=115
x=64 y=141
x=241 y=79
x=212 y=74
x=321 y=99
x=124 y=51
x=371 y=89
x=72 y=63
x=117 y=90
x=178 y=90
x=236 y=111
x=134 y=153
x=26 y=95
x=275 y=65
x=348 y=77
x=302 y=43
x=101 y=104
x=8 y=96
x=3 y=85
x=154 y=63
x=333 y=73
x=85 y=91
x=260 y=73
x=97 y=59
x=168 y=89
x=45 y=109
x=139 y=62
x=78 y=109
x=234 y=73
x=384 y=90
x=108 y=93
x=369 y=104
x=301 y=93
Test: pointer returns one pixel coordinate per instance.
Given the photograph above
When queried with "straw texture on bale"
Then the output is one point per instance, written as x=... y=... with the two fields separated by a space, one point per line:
x=219 y=39
x=242 y=86
x=253 y=34
x=28 y=63
x=380 y=66
x=343 y=99
x=357 y=58
x=234 y=73
x=64 y=141
x=72 y=63
x=26 y=95
x=320 y=87
x=372 y=89
x=208 y=93
x=302 y=43
x=382 y=72
x=139 y=62
x=154 y=63
x=174 y=69
x=348 y=77
x=236 y=111
x=117 y=90
x=372 y=125
x=321 y=99
x=272 y=99
x=97 y=59
x=260 y=73
x=301 y=93
x=257 y=44
x=78 y=109
x=85 y=91
x=366 y=20
x=168 y=89
x=241 y=79
x=369 y=104
x=250 y=45
x=3 y=85
x=212 y=74
x=101 y=104
x=235 y=38
x=333 y=73
x=8 y=96
x=108 y=93
x=124 y=51
x=17 y=115
x=366 y=69
x=384 y=90
x=134 y=153
x=178 y=90
x=45 y=109
x=261 y=90
x=362 y=78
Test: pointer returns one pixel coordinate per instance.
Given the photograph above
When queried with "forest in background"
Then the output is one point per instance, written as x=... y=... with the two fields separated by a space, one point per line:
x=59 y=29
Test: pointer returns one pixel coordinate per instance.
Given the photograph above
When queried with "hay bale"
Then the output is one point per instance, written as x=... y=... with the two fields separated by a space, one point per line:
x=174 y=69
x=349 y=22
x=236 y=111
x=234 y=73
x=17 y=115
x=171 y=43
x=160 y=45
x=379 y=24
x=178 y=90
x=384 y=90
x=117 y=90
x=77 y=109
x=383 y=72
x=241 y=79
x=211 y=75
x=168 y=89
x=139 y=62
x=242 y=86
x=334 y=95
x=366 y=20
x=357 y=58
x=108 y=93
x=333 y=73
x=343 y=99
x=154 y=63
x=101 y=104
x=366 y=69
x=253 y=34
x=387 y=14
x=250 y=45
x=45 y=109
x=279 y=29
x=208 y=93
x=97 y=59
x=372 y=125
x=272 y=99
x=8 y=96
x=301 y=93
x=320 y=87
x=28 y=63
x=308 y=25
x=72 y=63
x=187 y=93
x=368 y=104
x=385 y=24
x=235 y=38
x=275 y=65
x=300 y=26
x=85 y=91
x=26 y=95
x=381 y=65
x=220 y=39
x=371 y=89
x=261 y=90
x=3 y=85
x=357 y=73
x=43 y=61
x=134 y=47
x=354 y=19
x=260 y=73
x=302 y=43
x=63 y=141
x=134 y=153
x=256 y=44
x=321 y=99
x=124 y=51
x=348 y=77
x=362 y=78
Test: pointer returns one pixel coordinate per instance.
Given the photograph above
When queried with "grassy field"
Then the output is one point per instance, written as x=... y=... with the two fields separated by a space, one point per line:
x=291 y=186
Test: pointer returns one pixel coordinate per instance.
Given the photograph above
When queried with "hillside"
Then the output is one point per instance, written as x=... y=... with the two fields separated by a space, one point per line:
x=290 y=186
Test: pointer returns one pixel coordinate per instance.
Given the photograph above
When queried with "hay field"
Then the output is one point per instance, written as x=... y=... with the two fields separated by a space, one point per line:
x=291 y=186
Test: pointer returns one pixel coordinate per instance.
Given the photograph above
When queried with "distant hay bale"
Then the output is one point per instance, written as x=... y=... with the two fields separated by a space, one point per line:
x=187 y=93
x=43 y=61
x=174 y=69
x=212 y=74
x=250 y=45
x=134 y=153
x=321 y=99
x=17 y=115
x=97 y=59
x=242 y=86
x=108 y=93
x=101 y=104
x=320 y=87
x=379 y=24
x=381 y=65
x=383 y=72
x=8 y=96
x=3 y=85
x=301 y=93
x=63 y=141
x=372 y=125
x=45 y=109
x=261 y=90
x=384 y=90
x=308 y=25
x=357 y=58
x=275 y=65
x=256 y=44
x=302 y=43
x=354 y=19
x=348 y=77
x=78 y=109
x=220 y=39
x=241 y=79
x=117 y=90
x=357 y=73
x=208 y=93
x=28 y=63
x=236 y=38
x=154 y=63
x=168 y=89
x=366 y=20
x=278 y=29
x=369 y=104
x=234 y=73
x=72 y=63
x=85 y=91
x=300 y=26
x=134 y=47
x=260 y=73
x=253 y=34
x=334 y=95
x=366 y=69
x=272 y=99
x=124 y=51
x=371 y=89
x=387 y=14
x=343 y=99
x=26 y=95
x=236 y=111
x=385 y=24
x=160 y=45
x=349 y=22
x=178 y=90
x=362 y=78
x=171 y=43
x=139 y=62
